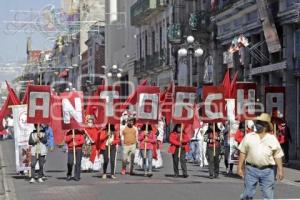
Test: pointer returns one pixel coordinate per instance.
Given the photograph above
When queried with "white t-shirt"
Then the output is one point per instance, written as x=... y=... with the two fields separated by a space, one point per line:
x=261 y=152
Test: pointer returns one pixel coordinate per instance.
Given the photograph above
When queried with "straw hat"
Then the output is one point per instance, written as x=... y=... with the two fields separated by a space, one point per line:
x=265 y=117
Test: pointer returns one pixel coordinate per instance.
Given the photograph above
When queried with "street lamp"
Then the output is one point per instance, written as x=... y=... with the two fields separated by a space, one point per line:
x=190 y=48
x=113 y=71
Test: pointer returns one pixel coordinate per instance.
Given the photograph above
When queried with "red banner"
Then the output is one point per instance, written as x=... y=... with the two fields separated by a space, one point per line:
x=56 y=119
x=245 y=95
x=109 y=104
x=183 y=107
x=148 y=104
x=213 y=105
x=39 y=104
x=72 y=110
x=275 y=101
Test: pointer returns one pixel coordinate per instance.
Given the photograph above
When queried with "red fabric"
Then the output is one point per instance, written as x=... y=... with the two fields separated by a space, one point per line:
x=92 y=104
x=132 y=98
x=239 y=135
x=166 y=102
x=196 y=122
x=184 y=118
x=216 y=105
x=281 y=138
x=94 y=153
x=151 y=140
x=215 y=141
x=79 y=139
x=103 y=138
x=71 y=97
x=38 y=118
x=11 y=99
x=3 y=132
x=93 y=133
x=227 y=85
x=174 y=139
x=56 y=120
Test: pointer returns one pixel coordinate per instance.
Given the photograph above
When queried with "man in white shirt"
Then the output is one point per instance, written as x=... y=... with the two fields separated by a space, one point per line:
x=260 y=151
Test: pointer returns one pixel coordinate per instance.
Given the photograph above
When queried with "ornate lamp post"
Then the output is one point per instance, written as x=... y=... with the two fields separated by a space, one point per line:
x=192 y=49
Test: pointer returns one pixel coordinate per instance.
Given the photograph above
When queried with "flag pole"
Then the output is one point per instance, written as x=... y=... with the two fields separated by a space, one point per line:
x=74 y=149
x=145 y=145
x=180 y=140
x=214 y=134
x=109 y=136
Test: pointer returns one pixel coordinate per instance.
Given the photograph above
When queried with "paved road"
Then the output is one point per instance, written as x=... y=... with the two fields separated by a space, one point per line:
x=160 y=186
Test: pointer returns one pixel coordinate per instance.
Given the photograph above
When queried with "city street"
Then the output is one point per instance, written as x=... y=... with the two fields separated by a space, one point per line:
x=161 y=186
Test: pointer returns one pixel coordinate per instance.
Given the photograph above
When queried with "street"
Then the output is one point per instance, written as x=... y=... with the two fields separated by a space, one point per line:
x=161 y=186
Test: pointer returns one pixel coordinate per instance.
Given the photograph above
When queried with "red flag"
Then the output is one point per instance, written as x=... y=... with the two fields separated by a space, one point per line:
x=56 y=120
x=233 y=85
x=132 y=98
x=227 y=85
x=12 y=99
x=12 y=95
x=196 y=122
x=166 y=102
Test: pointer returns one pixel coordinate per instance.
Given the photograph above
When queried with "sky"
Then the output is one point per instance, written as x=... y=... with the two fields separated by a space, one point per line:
x=13 y=44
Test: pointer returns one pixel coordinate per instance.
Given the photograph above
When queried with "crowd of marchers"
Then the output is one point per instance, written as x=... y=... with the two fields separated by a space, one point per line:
x=260 y=150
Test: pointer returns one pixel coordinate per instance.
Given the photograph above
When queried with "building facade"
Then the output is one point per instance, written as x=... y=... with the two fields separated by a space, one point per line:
x=271 y=58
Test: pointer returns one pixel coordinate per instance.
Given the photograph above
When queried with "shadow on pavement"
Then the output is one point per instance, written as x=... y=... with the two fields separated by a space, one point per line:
x=55 y=171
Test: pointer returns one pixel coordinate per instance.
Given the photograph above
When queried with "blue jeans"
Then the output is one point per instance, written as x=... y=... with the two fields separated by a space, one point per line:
x=265 y=178
x=147 y=162
x=194 y=151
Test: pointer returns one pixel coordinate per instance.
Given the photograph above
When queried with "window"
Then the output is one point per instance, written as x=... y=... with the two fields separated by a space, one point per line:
x=153 y=42
x=146 y=44
x=297 y=44
x=251 y=17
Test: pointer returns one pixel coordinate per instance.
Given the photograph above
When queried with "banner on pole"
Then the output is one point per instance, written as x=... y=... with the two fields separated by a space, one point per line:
x=22 y=132
x=245 y=96
x=72 y=110
x=109 y=104
x=184 y=103
x=213 y=105
x=147 y=104
x=275 y=100
x=39 y=104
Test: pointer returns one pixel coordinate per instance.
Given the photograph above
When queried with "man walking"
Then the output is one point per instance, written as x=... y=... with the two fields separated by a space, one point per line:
x=129 y=138
x=213 y=139
x=260 y=151
x=38 y=141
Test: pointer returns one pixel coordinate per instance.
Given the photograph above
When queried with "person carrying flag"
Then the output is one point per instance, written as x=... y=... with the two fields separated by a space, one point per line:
x=147 y=139
x=109 y=139
x=38 y=141
x=213 y=140
x=178 y=149
x=74 y=141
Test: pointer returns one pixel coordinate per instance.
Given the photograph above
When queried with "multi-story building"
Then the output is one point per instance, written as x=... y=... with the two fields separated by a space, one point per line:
x=271 y=57
x=163 y=27
x=121 y=51
x=94 y=73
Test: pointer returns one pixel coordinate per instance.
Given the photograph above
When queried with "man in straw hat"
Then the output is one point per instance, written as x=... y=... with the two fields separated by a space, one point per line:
x=260 y=151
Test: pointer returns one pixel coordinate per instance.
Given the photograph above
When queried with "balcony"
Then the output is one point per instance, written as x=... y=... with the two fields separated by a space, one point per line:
x=143 y=10
x=152 y=64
